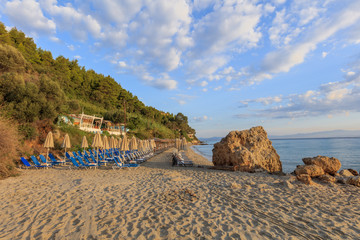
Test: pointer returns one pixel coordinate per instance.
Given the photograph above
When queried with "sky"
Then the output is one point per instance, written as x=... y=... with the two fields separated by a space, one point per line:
x=291 y=66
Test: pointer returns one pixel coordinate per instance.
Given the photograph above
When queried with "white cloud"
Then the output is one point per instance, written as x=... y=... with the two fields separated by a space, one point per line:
x=77 y=57
x=284 y=59
x=183 y=99
x=231 y=24
x=200 y=119
x=71 y=47
x=217 y=88
x=330 y=99
x=122 y=64
x=70 y=19
x=203 y=83
x=324 y=54
x=27 y=15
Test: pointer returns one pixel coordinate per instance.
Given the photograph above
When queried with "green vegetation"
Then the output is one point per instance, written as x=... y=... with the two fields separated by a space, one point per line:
x=35 y=89
x=34 y=86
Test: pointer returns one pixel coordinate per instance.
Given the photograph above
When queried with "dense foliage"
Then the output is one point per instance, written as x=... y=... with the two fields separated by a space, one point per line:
x=35 y=86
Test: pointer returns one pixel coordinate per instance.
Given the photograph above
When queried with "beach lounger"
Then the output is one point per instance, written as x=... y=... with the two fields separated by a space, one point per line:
x=54 y=160
x=90 y=165
x=75 y=163
x=43 y=160
x=27 y=164
x=38 y=164
x=120 y=164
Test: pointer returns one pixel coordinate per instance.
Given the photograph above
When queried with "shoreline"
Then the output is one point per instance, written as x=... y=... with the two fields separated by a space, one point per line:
x=158 y=201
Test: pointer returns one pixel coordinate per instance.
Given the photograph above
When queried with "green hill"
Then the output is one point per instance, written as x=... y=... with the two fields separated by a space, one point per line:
x=35 y=89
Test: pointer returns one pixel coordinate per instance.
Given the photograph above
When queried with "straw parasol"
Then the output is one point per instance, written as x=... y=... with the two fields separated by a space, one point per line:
x=141 y=145
x=106 y=143
x=49 y=143
x=84 y=143
x=118 y=145
x=112 y=142
x=183 y=143
x=153 y=144
x=133 y=144
x=124 y=144
x=97 y=143
x=66 y=143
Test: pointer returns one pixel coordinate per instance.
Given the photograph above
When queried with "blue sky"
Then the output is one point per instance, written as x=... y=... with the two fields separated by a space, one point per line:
x=289 y=65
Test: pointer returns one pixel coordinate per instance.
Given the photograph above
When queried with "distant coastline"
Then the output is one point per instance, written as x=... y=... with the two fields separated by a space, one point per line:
x=312 y=135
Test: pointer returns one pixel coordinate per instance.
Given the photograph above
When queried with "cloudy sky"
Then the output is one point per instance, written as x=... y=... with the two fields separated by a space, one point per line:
x=289 y=65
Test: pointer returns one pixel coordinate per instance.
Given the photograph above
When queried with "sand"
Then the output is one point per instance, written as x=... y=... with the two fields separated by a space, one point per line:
x=157 y=201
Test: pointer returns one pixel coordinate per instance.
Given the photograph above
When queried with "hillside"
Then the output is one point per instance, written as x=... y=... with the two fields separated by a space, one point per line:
x=35 y=89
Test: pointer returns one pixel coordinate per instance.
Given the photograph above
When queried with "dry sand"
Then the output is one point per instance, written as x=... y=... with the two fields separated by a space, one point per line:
x=157 y=201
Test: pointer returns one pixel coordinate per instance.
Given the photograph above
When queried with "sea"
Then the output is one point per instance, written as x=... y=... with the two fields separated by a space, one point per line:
x=292 y=151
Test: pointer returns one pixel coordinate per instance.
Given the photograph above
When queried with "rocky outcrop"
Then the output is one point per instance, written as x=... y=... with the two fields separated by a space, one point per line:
x=311 y=170
x=329 y=165
x=247 y=150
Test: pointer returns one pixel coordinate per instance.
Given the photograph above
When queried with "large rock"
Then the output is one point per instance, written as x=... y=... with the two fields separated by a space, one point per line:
x=330 y=165
x=311 y=170
x=248 y=149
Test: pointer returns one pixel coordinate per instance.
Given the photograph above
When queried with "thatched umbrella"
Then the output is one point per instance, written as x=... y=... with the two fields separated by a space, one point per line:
x=133 y=144
x=49 y=143
x=112 y=142
x=153 y=144
x=124 y=144
x=66 y=143
x=84 y=143
x=116 y=142
x=177 y=143
x=118 y=145
x=141 y=145
x=184 y=143
x=97 y=143
x=106 y=143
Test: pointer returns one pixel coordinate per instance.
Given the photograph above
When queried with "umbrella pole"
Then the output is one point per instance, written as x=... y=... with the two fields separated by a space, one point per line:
x=47 y=155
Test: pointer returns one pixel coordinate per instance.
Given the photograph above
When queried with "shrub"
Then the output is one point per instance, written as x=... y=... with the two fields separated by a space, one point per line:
x=28 y=131
x=9 y=144
x=11 y=60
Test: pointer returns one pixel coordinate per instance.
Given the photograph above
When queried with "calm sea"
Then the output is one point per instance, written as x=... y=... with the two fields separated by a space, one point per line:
x=292 y=151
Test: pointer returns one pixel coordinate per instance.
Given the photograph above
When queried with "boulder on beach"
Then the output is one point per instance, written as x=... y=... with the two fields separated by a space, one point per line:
x=311 y=170
x=304 y=178
x=329 y=165
x=345 y=173
x=247 y=150
x=328 y=178
x=355 y=180
x=354 y=172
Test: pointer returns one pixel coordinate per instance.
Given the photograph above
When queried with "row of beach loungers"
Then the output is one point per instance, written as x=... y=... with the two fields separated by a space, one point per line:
x=91 y=159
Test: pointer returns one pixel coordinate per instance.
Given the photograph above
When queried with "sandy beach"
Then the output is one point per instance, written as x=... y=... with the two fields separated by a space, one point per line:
x=158 y=201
